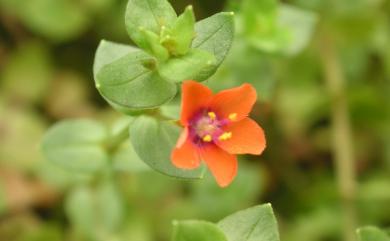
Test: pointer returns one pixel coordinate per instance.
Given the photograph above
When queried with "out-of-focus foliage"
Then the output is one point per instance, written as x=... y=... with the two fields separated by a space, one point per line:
x=46 y=54
x=372 y=234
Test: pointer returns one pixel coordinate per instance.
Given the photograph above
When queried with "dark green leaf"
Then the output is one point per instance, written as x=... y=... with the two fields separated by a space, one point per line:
x=194 y=230
x=153 y=140
x=76 y=145
x=253 y=224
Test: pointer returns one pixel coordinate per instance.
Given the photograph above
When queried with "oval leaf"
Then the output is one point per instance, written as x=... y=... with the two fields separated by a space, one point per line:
x=148 y=14
x=196 y=65
x=215 y=35
x=194 y=230
x=253 y=224
x=99 y=208
x=76 y=145
x=153 y=140
x=372 y=234
x=123 y=80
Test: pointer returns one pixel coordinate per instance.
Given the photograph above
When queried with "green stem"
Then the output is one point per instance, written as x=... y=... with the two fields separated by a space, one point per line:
x=117 y=138
x=341 y=136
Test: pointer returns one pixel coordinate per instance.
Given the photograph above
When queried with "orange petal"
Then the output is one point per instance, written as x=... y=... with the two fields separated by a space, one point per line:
x=222 y=165
x=247 y=137
x=194 y=97
x=182 y=138
x=236 y=102
x=186 y=156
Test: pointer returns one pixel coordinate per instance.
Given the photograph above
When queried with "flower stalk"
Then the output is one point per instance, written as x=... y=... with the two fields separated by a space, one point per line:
x=341 y=135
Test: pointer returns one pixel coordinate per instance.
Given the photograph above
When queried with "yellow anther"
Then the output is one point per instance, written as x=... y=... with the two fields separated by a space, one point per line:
x=207 y=138
x=225 y=136
x=212 y=115
x=233 y=116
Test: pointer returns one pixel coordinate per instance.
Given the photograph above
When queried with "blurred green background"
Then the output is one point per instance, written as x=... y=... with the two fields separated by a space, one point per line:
x=311 y=61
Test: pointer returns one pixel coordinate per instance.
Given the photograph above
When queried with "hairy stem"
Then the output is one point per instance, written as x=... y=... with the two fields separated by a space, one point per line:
x=341 y=135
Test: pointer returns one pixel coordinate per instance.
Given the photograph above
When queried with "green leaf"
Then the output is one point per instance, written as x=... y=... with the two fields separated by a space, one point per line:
x=76 y=145
x=153 y=140
x=183 y=32
x=372 y=234
x=194 y=230
x=125 y=159
x=63 y=20
x=30 y=63
x=95 y=212
x=152 y=45
x=123 y=80
x=148 y=14
x=300 y=24
x=195 y=65
x=253 y=224
x=215 y=35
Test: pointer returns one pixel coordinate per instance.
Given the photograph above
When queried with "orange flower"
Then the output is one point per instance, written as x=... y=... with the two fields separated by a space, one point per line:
x=216 y=128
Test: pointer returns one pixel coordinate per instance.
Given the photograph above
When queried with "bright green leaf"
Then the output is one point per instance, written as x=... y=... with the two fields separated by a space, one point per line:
x=194 y=230
x=215 y=35
x=63 y=19
x=76 y=145
x=30 y=63
x=183 y=32
x=95 y=212
x=253 y=224
x=153 y=140
x=126 y=159
x=372 y=234
x=300 y=24
x=195 y=65
x=151 y=44
x=125 y=82
x=148 y=14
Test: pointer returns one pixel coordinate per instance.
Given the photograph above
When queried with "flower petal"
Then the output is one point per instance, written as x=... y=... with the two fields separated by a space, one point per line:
x=194 y=97
x=236 y=102
x=183 y=137
x=247 y=137
x=222 y=165
x=186 y=156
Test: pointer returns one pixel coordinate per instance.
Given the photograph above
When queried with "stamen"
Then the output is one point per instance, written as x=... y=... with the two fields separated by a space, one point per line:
x=225 y=136
x=212 y=115
x=233 y=116
x=207 y=138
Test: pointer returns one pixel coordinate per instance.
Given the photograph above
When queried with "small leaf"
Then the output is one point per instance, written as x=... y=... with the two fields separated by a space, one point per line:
x=30 y=63
x=153 y=140
x=64 y=20
x=125 y=159
x=76 y=145
x=195 y=65
x=148 y=14
x=151 y=44
x=253 y=224
x=215 y=35
x=372 y=234
x=95 y=212
x=125 y=82
x=183 y=32
x=194 y=230
x=300 y=24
